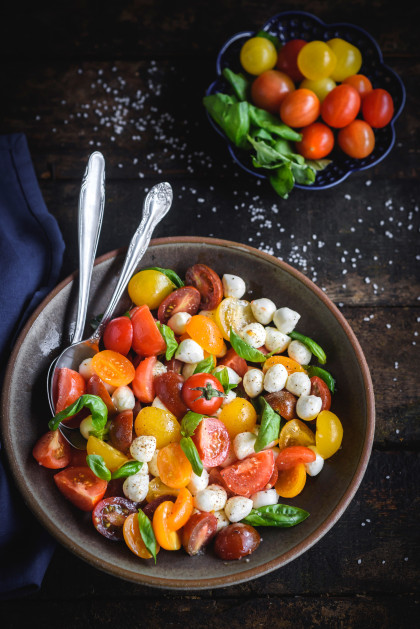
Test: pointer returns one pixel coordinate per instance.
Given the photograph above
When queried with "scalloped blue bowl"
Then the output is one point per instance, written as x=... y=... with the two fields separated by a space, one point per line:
x=302 y=25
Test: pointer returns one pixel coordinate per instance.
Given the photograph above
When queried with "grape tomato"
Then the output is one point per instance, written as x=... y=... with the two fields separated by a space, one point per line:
x=257 y=55
x=269 y=89
x=316 y=60
x=348 y=59
x=357 y=139
x=341 y=106
x=300 y=108
x=378 y=108
x=287 y=59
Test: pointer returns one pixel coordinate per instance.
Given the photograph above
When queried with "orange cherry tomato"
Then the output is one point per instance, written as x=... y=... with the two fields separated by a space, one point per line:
x=290 y=364
x=317 y=141
x=181 y=510
x=174 y=467
x=269 y=89
x=291 y=482
x=206 y=333
x=133 y=539
x=357 y=139
x=360 y=82
x=378 y=108
x=113 y=368
x=167 y=538
x=341 y=106
x=300 y=108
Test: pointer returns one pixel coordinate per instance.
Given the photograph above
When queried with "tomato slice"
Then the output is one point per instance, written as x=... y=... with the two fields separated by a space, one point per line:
x=69 y=385
x=234 y=361
x=95 y=386
x=118 y=335
x=181 y=511
x=147 y=340
x=185 y=299
x=167 y=538
x=291 y=481
x=52 y=450
x=319 y=388
x=143 y=383
x=198 y=531
x=109 y=516
x=121 y=431
x=212 y=441
x=208 y=283
x=168 y=388
x=292 y=455
x=113 y=368
x=174 y=467
x=81 y=487
x=133 y=538
x=250 y=475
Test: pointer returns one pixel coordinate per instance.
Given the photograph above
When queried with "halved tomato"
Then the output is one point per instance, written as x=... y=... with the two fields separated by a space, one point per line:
x=168 y=388
x=69 y=385
x=52 y=450
x=143 y=385
x=147 y=340
x=250 y=475
x=95 y=386
x=208 y=283
x=234 y=361
x=81 y=487
x=319 y=388
x=110 y=514
x=198 y=531
x=185 y=299
x=121 y=431
x=292 y=455
x=212 y=441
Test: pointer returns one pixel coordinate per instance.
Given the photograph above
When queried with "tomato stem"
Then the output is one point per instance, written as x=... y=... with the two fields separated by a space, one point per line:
x=207 y=392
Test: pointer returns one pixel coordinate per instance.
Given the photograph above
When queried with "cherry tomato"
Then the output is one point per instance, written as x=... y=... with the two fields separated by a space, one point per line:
x=52 y=450
x=95 y=386
x=166 y=537
x=181 y=511
x=168 y=388
x=269 y=89
x=357 y=139
x=300 y=108
x=109 y=516
x=283 y=402
x=238 y=416
x=349 y=59
x=81 y=486
x=235 y=362
x=158 y=423
x=78 y=458
x=147 y=340
x=296 y=433
x=69 y=385
x=236 y=541
x=292 y=455
x=150 y=508
x=287 y=58
x=118 y=335
x=113 y=368
x=208 y=283
x=250 y=475
x=378 y=108
x=321 y=87
x=317 y=141
x=212 y=441
x=290 y=364
x=143 y=382
x=319 y=388
x=198 y=531
x=203 y=393
x=341 y=106
x=206 y=333
x=273 y=478
x=360 y=82
x=121 y=431
x=133 y=538
x=174 y=467
x=149 y=287
x=291 y=481
x=257 y=55
x=329 y=434
x=316 y=60
x=233 y=313
x=113 y=458
x=185 y=299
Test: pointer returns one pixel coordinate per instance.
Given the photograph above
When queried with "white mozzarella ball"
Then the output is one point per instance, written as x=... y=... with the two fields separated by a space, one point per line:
x=263 y=310
x=159 y=368
x=231 y=457
x=308 y=407
x=286 y=319
x=136 y=486
x=157 y=403
x=253 y=382
x=243 y=444
x=264 y=498
x=85 y=368
x=233 y=286
x=189 y=352
x=188 y=369
x=254 y=334
x=299 y=352
x=109 y=387
x=143 y=447
x=222 y=520
x=86 y=425
x=229 y=397
x=276 y=341
x=144 y=469
x=212 y=498
x=275 y=450
x=178 y=322
x=275 y=378
x=299 y=383
x=198 y=483
x=234 y=378
x=153 y=468
x=123 y=399
x=237 y=508
x=316 y=466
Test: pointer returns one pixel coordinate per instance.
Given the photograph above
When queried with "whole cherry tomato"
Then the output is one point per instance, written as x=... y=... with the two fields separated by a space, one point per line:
x=133 y=538
x=236 y=541
x=185 y=299
x=378 y=108
x=212 y=441
x=329 y=434
x=269 y=89
x=319 y=388
x=291 y=481
x=316 y=60
x=317 y=141
x=174 y=467
x=149 y=287
x=357 y=139
x=287 y=58
x=360 y=82
x=300 y=108
x=52 y=450
x=207 y=282
x=257 y=55
x=203 y=393
x=118 y=335
x=321 y=87
x=341 y=106
x=349 y=59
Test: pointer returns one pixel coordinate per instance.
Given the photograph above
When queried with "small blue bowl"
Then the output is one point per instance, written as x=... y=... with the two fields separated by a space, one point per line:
x=302 y=25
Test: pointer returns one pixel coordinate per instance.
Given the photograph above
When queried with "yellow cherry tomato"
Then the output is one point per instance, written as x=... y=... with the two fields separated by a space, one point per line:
x=206 y=333
x=133 y=539
x=158 y=423
x=349 y=59
x=233 y=313
x=149 y=287
x=238 y=416
x=290 y=364
x=296 y=433
x=113 y=458
x=157 y=489
x=113 y=368
x=257 y=55
x=321 y=87
x=316 y=60
x=167 y=538
x=291 y=482
x=329 y=434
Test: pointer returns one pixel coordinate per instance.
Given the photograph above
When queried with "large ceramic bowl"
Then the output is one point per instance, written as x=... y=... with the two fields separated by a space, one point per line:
x=302 y=25
x=25 y=415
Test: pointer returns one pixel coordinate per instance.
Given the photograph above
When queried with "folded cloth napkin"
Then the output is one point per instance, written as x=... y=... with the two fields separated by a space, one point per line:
x=31 y=253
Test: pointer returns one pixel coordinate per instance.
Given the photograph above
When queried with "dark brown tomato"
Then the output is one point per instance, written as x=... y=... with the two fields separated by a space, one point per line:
x=185 y=299
x=95 y=386
x=208 y=283
x=236 y=541
x=198 y=531
x=115 y=488
x=109 y=516
x=168 y=388
x=215 y=478
x=320 y=389
x=151 y=507
x=173 y=365
x=283 y=402
x=121 y=431
x=235 y=362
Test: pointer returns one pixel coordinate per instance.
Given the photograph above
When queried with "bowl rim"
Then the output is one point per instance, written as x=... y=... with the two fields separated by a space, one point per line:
x=210 y=582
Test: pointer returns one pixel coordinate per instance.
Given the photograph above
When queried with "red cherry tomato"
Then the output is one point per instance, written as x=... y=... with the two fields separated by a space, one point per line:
x=300 y=108
x=174 y=365
x=378 y=108
x=287 y=59
x=212 y=441
x=235 y=362
x=168 y=387
x=236 y=541
x=317 y=141
x=357 y=139
x=147 y=340
x=121 y=431
x=198 y=531
x=185 y=299
x=118 y=335
x=292 y=455
x=208 y=283
x=250 y=475
x=95 y=386
x=81 y=486
x=360 y=82
x=110 y=514
x=143 y=383
x=269 y=89
x=319 y=388
x=69 y=385
x=78 y=458
x=203 y=393
x=341 y=106
x=52 y=450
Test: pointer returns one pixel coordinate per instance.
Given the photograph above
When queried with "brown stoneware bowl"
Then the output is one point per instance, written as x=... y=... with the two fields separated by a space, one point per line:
x=25 y=415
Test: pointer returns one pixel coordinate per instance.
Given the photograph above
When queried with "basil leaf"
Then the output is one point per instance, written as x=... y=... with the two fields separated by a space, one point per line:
x=271 y=422
x=313 y=370
x=169 y=338
x=223 y=377
x=95 y=321
x=244 y=350
x=147 y=534
x=205 y=366
x=318 y=164
x=274 y=40
x=276 y=515
x=94 y=403
x=128 y=469
x=231 y=116
x=311 y=345
x=189 y=423
x=282 y=181
x=98 y=467
x=174 y=277
x=240 y=84
x=190 y=451
x=263 y=119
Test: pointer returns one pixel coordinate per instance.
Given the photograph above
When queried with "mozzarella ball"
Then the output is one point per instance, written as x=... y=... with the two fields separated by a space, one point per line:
x=299 y=352
x=143 y=447
x=157 y=403
x=237 y=508
x=253 y=382
x=233 y=377
x=212 y=498
x=233 y=286
x=153 y=468
x=178 y=322
x=264 y=498
x=299 y=383
x=109 y=387
x=159 y=368
x=123 y=399
x=222 y=520
x=286 y=319
x=189 y=352
x=275 y=378
x=316 y=466
x=243 y=444
x=136 y=486
x=231 y=457
x=308 y=407
x=198 y=483
x=276 y=341
x=188 y=369
x=86 y=425
x=263 y=310
x=254 y=334
x=85 y=368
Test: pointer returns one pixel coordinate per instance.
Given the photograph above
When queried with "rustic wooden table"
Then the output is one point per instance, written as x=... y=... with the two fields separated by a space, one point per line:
x=127 y=78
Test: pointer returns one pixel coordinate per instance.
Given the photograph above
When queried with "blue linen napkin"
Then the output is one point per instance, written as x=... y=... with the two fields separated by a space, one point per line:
x=31 y=253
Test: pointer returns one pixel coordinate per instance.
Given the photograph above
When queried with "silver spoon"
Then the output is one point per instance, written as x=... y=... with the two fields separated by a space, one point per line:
x=156 y=205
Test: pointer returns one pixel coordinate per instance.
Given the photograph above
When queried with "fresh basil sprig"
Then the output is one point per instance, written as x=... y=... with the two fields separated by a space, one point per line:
x=128 y=469
x=174 y=277
x=274 y=40
x=278 y=515
x=244 y=350
x=313 y=370
x=147 y=534
x=311 y=345
x=94 y=403
x=205 y=365
x=97 y=465
x=223 y=377
x=169 y=338
x=189 y=423
x=190 y=451
x=271 y=423
x=240 y=85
